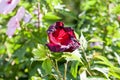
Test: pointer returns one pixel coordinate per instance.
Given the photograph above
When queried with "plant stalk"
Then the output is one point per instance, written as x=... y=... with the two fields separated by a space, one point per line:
x=65 y=71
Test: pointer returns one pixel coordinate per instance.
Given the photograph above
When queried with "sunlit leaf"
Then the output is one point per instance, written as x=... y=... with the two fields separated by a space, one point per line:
x=118 y=58
x=74 y=68
x=47 y=66
x=83 y=42
x=96 y=78
x=72 y=57
x=104 y=71
x=51 y=16
x=104 y=61
x=68 y=13
x=35 y=78
x=40 y=52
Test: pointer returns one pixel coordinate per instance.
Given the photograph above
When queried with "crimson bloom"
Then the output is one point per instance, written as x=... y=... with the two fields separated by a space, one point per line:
x=61 y=39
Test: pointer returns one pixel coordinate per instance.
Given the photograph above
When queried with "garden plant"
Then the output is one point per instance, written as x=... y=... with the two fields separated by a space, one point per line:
x=59 y=39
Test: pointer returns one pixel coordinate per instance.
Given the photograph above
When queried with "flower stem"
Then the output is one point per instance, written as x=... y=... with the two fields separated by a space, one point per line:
x=56 y=67
x=38 y=5
x=84 y=55
x=87 y=62
x=65 y=71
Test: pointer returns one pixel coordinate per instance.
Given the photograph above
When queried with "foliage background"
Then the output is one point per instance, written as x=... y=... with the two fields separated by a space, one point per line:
x=26 y=57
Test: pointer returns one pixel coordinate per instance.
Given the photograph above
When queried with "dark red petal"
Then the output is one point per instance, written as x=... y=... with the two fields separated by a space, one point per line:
x=65 y=40
x=70 y=31
x=51 y=29
x=61 y=33
x=52 y=39
x=56 y=33
x=61 y=36
x=73 y=45
x=59 y=24
x=56 y=48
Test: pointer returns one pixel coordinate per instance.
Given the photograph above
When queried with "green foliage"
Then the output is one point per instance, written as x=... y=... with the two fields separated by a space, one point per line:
x=47 y=66
x=51 y=16
x=40 y=52
x=25 y=56
x=74 y=68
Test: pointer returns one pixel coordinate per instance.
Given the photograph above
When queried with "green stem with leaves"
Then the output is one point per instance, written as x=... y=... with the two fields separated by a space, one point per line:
x=86 y=61
x=55 y=66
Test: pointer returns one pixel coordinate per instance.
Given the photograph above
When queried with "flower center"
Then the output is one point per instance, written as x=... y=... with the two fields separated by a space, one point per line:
x=9 y=1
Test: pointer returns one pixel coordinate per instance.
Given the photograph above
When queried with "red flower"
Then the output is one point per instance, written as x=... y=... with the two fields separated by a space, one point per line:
x=61 y=39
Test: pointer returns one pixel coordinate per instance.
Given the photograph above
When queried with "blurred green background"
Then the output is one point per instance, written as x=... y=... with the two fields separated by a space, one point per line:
x=26 y=57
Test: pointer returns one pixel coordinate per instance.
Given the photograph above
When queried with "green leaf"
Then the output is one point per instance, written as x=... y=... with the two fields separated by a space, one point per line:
x=116 y=9
x=118 y=58
x=51 y=16
x=69 y=56
x=52 y=3
x=114 y=74
x=115 y=71
x=96 y=78
x=47 y=66
x=20 y=52
x=104 y=61
x=96 y=39
x=74 y=68
x=40 y=53
x=2 y=49
x=88 y=5
x=83 y=42
x=68 y=13
x=35 y=78
x=104 y=71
